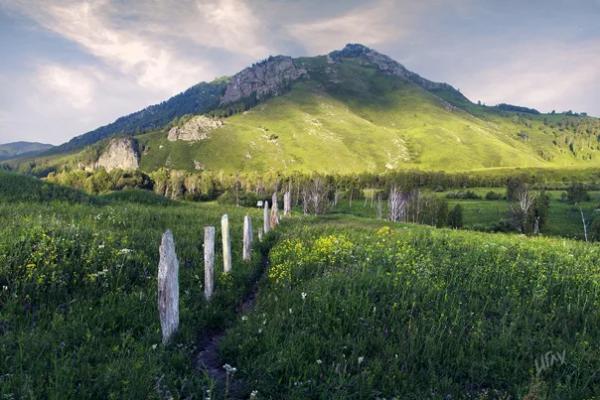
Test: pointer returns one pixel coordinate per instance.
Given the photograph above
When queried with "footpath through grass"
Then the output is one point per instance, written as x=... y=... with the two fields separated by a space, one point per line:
x=355 y=311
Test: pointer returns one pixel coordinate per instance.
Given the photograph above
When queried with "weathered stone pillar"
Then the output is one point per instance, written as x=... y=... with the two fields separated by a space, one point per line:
x=168 y=287
x=209 y=261
x=247 y=249
x=226 y=239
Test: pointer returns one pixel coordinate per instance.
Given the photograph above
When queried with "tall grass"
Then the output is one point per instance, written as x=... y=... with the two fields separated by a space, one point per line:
x=420 y=314
x=78 y=313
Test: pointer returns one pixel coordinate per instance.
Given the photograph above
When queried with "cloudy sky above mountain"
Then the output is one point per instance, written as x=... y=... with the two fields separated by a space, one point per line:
x=70 y=66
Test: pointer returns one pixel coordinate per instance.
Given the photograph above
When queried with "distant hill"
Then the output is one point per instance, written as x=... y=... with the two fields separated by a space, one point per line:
x=352 y=110
x=17 y=149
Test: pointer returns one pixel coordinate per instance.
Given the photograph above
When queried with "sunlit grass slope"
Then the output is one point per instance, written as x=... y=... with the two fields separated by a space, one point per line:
x=360 y=120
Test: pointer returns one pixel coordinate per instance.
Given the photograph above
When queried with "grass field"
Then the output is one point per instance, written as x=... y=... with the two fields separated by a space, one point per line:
x=350 y=307
x=480 y=214
x=356 y=311
x=78 y=281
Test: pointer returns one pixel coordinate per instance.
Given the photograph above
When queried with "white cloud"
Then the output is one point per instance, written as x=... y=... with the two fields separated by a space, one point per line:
x=373 y=24
x=230 y=24
x=541 y=75
x=92 y=25
x=73 y=86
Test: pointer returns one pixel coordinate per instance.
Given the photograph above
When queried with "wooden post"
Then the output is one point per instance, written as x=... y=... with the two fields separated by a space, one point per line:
x=226 y=243
x=209 y=261
x=168 y=287
x=260 y=234
x=247 y=250
x=274 y=211
x=287 y=204
x=266 y=224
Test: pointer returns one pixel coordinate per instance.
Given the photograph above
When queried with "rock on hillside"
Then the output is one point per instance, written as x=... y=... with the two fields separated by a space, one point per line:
x=267 y=78
x=121 y=153
x=196 y=129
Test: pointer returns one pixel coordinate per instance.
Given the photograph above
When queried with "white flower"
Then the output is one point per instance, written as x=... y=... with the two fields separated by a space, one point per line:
x=125 y=251
x=154 y=346
x=360 y=360
x=303 y=296
x=254 y=394
x=319 y=362
x=290 y=310
x=244 y=318
x=101 y=246
x=229 y=369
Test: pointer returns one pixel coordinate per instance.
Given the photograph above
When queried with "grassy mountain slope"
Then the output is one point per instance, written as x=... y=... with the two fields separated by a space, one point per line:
x=371 y=122
x=356 y=110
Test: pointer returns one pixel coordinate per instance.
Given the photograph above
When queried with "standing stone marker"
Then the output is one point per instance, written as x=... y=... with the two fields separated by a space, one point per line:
x=247 y=250
x=266 y=224
x=168 y=287
x=274 y=212
x=260 y=234
x=209 y=261
x=226 y=243
x=287 y=204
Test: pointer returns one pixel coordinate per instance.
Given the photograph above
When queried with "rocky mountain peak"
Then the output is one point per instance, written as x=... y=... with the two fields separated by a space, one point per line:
x=266 y=78
x=383 y=63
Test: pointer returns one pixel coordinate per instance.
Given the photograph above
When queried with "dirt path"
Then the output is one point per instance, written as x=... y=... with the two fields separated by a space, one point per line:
x=208 y=359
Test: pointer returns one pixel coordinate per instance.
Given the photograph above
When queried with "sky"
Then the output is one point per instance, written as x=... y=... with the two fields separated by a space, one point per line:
x=68 y=67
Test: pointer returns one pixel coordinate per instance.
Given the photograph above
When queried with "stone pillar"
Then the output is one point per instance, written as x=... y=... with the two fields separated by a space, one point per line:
x=247 y=249
x=209 y=261
x=168 y=287
x=226 y=243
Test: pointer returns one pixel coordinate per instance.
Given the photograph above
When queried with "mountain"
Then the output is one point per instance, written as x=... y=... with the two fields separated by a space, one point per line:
x=20 y=149
x=351 y=110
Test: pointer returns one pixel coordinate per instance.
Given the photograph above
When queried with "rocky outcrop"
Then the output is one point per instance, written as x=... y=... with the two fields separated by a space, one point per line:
x=267 y=78
x=384 y=64
x=195 y=129
x=121 y=153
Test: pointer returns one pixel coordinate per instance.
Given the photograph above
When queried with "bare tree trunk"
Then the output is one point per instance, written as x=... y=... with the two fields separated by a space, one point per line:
x=397 y=205
x=209 y=261
x=585 y=233
x=168 y=287
x=226 y=243
x=247 y=249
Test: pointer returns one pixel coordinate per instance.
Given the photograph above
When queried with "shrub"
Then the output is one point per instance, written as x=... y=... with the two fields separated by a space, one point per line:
x=491 y=195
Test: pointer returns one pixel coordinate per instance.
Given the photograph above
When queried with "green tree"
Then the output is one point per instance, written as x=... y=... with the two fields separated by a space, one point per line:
x=455 y=217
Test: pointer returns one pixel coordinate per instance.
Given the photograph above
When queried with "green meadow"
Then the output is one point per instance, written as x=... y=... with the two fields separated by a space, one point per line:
x=349 y=307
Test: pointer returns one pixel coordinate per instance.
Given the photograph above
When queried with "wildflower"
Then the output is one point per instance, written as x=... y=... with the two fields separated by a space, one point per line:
x=101 y=246
x=229 y=369
x=254 y=394
x=154 y=346
x=244 y=318
x=303 y=296
x=360 y=360
x=125 y=251
x=319 y=362
x=290 y=310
